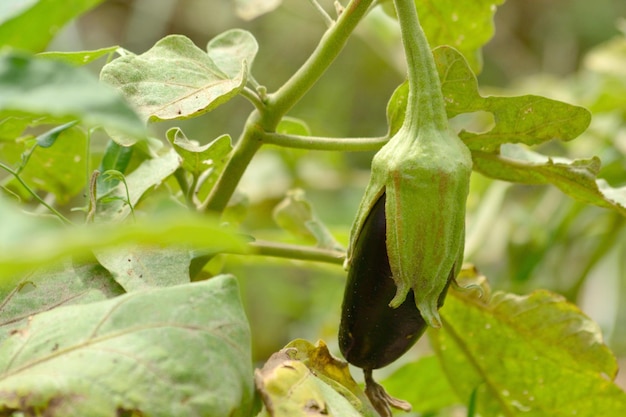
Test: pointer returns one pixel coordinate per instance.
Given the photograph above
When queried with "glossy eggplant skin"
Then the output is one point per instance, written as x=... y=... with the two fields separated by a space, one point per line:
x=372 y=334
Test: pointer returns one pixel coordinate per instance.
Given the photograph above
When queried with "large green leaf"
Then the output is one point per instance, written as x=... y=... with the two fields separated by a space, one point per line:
x=575 y=178
x=177 y=80
x=177 y=351
x=534 y=355
x=31 y=24
x=37 y=87
x=27 y=242
x=524 y=119
x=529 y=119
x=51 y=287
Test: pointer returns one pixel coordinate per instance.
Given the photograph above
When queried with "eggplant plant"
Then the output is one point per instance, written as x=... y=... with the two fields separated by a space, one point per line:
x=179 y=268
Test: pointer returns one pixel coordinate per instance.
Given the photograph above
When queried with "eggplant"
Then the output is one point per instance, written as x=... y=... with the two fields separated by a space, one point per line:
x=371 y=333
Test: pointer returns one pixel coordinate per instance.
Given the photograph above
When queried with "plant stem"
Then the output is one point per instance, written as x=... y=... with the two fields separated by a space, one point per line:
x=303 y=253
x=280 y=102
x=329 y=21
x=324 y=144
x=332 y=42
x=34 y=194
x=425 y=102
x=247 y=146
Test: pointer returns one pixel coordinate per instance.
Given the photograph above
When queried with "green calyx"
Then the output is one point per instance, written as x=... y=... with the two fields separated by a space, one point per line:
x=424 y=170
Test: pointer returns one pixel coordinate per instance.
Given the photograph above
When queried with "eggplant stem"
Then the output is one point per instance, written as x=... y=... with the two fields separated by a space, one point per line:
x=380 y=399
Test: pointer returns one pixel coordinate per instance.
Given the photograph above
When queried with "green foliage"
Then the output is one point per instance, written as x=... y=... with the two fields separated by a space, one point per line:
x=177 y=80
x=162 y=352
x=31 y=24
x=530 y=348
x=96 y=264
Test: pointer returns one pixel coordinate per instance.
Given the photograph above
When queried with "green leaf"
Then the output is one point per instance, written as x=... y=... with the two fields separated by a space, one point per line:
x=28 y=242
x=218 y=152
x=293 y=126
x=465 y=25
x=575 y=178
x=230 y=49
x=196 y=158
x=57 y=169
x=149 y=174
x=295 y=215
x=175 y=79
x=177 y=351
x=38 y=87
x=48 y=288
x=534 y=355
x=115 y=158
x=79 y=58
x=251 y=9
x=423 y=384
x=396 y=108
x=31 y=24
x=47 y=139
x=525 y=119
x=138 y=268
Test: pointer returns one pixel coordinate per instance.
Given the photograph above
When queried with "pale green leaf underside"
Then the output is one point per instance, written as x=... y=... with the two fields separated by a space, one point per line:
x=175 y=79
x=575 y=178
x=51 y=287
x=137 y=268
x=200 y=158
x=250 y=9
x=534 y=355
x=177 y=351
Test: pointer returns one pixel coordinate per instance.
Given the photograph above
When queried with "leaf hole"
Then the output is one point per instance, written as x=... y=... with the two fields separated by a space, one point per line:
x=475 y=122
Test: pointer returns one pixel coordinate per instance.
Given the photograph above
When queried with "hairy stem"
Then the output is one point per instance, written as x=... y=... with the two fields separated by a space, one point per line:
x=280 y=102
x=425 y=102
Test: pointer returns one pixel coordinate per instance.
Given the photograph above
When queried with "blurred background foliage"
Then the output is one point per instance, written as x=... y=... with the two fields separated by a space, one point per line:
x=520 y=237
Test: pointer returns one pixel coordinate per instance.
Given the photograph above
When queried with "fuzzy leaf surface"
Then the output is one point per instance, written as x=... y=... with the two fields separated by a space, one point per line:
x=51 y=287
x=135 y=268
x=175 y=79
x=176 y=351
